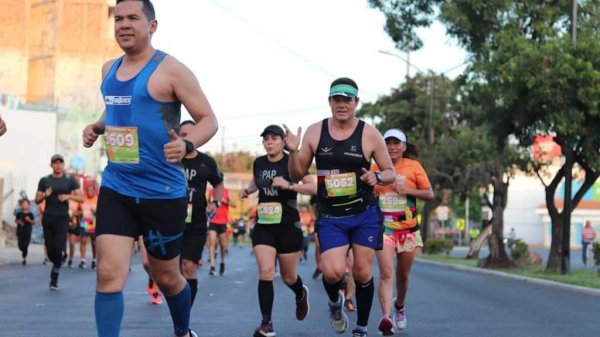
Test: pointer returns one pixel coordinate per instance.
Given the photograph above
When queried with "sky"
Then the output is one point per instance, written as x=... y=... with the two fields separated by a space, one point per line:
x=267 y=62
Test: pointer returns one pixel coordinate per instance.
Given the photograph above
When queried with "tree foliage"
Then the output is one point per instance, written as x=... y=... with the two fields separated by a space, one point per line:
x=526 y=74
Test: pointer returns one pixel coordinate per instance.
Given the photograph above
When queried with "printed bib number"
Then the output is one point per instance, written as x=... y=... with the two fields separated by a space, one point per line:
x=340 y=185
x=392 y=202
x=188 y=218
x=122 y=145
x=269 y=213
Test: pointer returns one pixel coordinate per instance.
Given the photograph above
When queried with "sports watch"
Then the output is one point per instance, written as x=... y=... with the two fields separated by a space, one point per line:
x=189 y=146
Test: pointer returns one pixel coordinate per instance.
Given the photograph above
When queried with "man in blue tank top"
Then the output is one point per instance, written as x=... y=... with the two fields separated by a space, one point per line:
x=343 y=147
x=143 y=188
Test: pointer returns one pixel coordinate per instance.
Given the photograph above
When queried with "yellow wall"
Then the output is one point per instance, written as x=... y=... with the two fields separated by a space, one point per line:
x=53 y=51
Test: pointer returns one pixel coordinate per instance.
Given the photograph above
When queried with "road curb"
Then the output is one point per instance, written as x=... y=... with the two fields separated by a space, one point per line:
x=586 y=290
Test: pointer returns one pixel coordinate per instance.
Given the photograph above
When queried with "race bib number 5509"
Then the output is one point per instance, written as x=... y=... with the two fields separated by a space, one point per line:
x=122 y=145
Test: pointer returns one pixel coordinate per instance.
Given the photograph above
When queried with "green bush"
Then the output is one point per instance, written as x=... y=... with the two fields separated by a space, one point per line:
x=438 y=246
x=596 y=250
x=520 y=251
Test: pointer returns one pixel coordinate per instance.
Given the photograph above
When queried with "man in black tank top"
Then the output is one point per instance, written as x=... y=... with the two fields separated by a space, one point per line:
x=343 y=147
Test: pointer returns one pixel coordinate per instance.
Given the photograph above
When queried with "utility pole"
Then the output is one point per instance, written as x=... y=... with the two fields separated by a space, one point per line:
x=568 y=150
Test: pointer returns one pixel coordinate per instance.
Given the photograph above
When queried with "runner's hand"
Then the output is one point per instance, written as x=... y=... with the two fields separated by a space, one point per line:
x=211 y=207
x=175 y=149
x=281 y=183
x=63 y=197
x=292 y=141
x=48 y=192
x=368 y=177
x=91 y=133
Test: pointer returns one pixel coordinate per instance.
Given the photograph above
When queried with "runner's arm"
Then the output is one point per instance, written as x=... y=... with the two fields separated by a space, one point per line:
x=300 y=158
x=381 y=156
x=308 y=186
x=187 y=90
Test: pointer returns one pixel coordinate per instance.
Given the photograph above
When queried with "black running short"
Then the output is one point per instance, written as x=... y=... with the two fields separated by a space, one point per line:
x=220 y=229
x=160 y=221
x=285 y=238
x=193 y=246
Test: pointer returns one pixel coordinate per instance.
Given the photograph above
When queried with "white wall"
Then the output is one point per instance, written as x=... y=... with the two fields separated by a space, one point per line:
x=25 y=152
x=525 y=194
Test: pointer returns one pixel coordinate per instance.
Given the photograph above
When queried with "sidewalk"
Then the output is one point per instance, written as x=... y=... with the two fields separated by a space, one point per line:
x=12 y=255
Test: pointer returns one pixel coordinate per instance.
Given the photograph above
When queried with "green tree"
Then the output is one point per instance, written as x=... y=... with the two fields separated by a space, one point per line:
x=529 y=77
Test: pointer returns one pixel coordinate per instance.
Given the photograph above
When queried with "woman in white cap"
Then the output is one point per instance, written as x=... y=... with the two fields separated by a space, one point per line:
x=401 y=229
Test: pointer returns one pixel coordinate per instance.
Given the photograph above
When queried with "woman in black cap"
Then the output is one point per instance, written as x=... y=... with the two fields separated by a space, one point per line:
x=277 y=233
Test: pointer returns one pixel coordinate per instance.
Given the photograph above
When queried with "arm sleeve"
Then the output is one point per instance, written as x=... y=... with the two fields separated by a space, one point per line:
x=216 y=177
x=421 y=177
x=42 y=185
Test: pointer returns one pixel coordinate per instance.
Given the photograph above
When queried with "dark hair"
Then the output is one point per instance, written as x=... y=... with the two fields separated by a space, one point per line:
x=344 y=80
x=147 y=8
x=412 y=151
x=189 y=121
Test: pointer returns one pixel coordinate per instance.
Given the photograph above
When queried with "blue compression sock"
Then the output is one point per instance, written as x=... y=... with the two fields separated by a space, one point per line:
x=180 y=306
x=109 y=308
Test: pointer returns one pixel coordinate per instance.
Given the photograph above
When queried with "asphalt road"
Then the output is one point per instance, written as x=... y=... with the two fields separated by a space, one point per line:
x=442 y=302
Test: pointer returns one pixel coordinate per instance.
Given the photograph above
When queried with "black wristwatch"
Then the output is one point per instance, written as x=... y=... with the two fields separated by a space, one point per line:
x=189 y=146
x=217 y=203
x=378 y=177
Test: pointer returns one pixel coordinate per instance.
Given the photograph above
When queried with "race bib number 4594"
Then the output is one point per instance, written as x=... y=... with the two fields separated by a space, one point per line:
x=339 y=185
x=122 y=145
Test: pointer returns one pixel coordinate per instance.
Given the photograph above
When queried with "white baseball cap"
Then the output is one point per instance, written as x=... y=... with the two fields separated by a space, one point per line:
x=395 y=133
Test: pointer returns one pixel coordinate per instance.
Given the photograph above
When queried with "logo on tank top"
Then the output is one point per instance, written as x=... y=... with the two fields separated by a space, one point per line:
x=117 y=100
x=325 y=151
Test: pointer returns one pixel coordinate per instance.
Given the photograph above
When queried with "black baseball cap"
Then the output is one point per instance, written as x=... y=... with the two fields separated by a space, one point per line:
x=276 y=129
x=57 y=157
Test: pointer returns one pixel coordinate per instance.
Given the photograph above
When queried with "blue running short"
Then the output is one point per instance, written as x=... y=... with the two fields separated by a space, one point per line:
x=365 y=229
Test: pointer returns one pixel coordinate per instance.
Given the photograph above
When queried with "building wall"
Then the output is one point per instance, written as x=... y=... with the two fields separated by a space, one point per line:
x=26 y=150
x=525 y=194
x=53 y=51
x=13 y=47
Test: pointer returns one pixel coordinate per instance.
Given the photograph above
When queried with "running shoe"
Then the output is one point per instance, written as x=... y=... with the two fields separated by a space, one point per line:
x=193 y=334
x=222 y=269
x=70 y=263
x=337 y=316
x=93 y=264
x=386 y=326
x=212 y=271
x=46 y=261
x=53 y=285
x=359 y=333
x=302 y=305
x=265 y=330
x=24 y=262
x=316 y=274
x=82 y=265
x=53 y=280
x=400 y=318
x=156 y=299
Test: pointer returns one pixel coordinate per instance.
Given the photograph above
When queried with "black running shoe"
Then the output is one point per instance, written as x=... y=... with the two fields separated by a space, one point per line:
x=222 y=269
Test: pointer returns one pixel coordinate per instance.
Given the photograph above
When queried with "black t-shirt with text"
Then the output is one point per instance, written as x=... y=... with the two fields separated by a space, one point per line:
x=198 y=171
x=63 y=185
x=270 y=197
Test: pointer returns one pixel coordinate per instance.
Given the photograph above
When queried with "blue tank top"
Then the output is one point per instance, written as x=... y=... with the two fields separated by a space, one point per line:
x=137 y=128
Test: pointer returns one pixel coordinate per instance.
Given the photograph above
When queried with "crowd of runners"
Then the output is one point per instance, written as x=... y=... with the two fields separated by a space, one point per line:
x=153 y=192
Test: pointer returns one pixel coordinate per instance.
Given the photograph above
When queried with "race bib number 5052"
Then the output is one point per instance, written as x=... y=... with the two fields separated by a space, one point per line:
x=339 y=185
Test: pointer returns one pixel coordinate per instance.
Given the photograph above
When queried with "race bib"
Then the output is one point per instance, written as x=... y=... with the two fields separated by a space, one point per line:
x=392 y=202
x=340 y=185
x=188 y=218
x=122 y=145
x=269 y=213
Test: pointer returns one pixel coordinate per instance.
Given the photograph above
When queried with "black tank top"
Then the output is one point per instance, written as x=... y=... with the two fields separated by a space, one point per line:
x=340 y=191
x=275 y=206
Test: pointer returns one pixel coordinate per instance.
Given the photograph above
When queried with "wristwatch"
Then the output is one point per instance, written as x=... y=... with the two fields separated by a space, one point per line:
x=189 y=146
x=378 y=177
x=217 y=203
